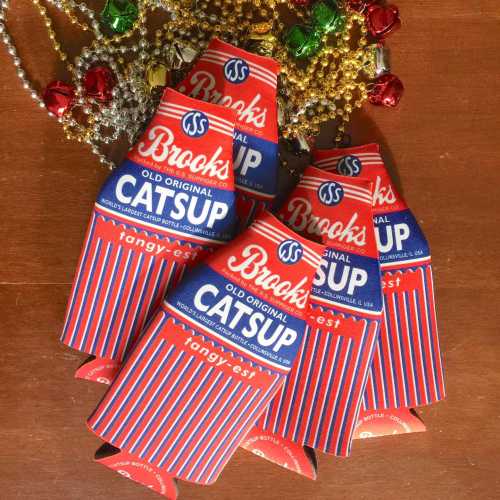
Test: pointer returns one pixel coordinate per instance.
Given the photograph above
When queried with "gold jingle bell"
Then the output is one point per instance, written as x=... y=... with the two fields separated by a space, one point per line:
x=261 y=39
x=260 y=28
x=157 y=74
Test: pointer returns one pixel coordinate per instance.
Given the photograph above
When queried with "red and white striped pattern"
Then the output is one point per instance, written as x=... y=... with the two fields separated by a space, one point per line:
x=176 y=411
x=350 y=191
x=319 y=403
x=275 y=235
x=407 y=369
x=177 y=111
x=258 y=72
x=114 y=292
x=367 y=159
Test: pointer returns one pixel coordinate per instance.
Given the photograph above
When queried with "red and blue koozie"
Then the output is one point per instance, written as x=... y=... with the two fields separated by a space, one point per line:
x=170 y=200
x=214 y=355
x=407 y=369
x=319 y=403
x=245 y=82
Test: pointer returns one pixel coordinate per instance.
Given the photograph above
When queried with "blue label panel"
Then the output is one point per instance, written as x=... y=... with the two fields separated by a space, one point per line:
x=168 y=202
x=255 y=163
x=235 y=315
x=399 y=237
x=350 y=280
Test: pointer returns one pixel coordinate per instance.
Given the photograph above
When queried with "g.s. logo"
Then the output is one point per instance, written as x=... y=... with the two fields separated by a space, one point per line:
x=195 y=123
x=330 y=193
x=349 y=165
x=290 y=251
x=236 y=70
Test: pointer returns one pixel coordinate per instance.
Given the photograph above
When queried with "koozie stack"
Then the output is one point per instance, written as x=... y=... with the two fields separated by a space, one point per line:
x=311 y=328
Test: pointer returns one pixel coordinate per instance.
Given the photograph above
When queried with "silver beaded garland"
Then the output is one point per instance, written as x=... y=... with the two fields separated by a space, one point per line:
x=132 y=104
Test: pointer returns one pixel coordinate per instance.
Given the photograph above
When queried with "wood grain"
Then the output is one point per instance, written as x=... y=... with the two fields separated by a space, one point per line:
x=443 y=143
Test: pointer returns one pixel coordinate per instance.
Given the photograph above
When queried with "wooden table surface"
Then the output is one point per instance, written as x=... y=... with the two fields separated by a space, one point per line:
x=444 y=144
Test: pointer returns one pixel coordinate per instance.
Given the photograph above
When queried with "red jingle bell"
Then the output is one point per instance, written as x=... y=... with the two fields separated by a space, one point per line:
x=381 y=20
x=387 y=91
x=99 y=82
x=359 y=5
x=58 y=97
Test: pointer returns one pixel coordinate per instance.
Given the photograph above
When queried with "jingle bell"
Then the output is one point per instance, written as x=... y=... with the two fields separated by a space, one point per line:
x=261 y=40
x=387 y=90
x=382 y=65
x=119 y=15
x=185 y=53
x=157 y=74
x=58 y=97
x=326 y=18
x=302 y=41
x=381 y=20
x=359 y=5
x=260 y=28
x=98 y=83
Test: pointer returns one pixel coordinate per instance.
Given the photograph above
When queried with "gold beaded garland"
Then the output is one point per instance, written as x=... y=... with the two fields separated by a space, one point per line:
x=330 y=85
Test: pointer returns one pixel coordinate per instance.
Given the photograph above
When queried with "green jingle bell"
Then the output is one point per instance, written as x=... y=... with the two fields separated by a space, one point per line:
x=302 y=41
x=119 y=15
x=327 y=18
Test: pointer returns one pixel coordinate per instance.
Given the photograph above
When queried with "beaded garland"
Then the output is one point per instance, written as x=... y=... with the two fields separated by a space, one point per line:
x=327 y=61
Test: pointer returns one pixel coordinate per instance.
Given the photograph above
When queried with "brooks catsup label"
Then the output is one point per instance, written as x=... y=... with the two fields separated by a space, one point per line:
x=319 y=402
x=246 y=83
x=338 y=212
x=407 y=368
x=160 y=210
x=214 y=355
x=400 y=241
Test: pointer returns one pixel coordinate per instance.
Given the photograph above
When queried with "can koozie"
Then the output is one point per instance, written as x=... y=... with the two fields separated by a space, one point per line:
x=407 y=369
x=319 y=403
x=245 y=82
x=214 y=355
x=171 y=200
